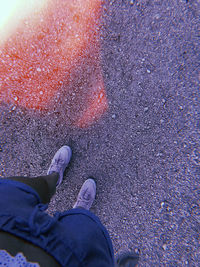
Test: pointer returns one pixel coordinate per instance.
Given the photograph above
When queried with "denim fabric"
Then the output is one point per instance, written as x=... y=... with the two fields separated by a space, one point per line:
x=74 y=238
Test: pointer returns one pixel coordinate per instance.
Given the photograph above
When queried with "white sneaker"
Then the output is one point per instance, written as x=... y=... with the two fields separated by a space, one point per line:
x=60 y=161
x=86 y=195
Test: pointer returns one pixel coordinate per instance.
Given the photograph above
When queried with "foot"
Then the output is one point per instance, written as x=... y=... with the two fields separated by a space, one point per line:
x=127 y=259
x=60 y=161
x=86 y=195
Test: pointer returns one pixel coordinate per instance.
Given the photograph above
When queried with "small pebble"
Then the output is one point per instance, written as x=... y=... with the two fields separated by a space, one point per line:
x=148 y=71
x=113 y=116
x=146 y=109
x=132 y=2
x=38 y=69
x=16 y=98
x=157 y=16
x=164 y=246
x=101 y=95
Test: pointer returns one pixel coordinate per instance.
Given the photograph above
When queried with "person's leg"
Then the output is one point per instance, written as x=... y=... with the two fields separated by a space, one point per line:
x=90 y=238
x=84 y=201
x=45 y=186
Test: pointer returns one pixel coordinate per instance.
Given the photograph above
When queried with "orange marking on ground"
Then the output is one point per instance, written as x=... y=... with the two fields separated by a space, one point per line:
x=97 y=106
x=42 y=51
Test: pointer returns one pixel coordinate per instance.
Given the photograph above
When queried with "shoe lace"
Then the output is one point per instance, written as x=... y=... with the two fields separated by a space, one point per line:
x=86 y=195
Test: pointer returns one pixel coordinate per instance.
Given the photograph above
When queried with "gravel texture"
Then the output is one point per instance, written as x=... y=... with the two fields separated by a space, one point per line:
x=144 y=151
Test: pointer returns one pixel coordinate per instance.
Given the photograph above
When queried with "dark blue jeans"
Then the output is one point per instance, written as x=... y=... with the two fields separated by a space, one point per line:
x=74 y=238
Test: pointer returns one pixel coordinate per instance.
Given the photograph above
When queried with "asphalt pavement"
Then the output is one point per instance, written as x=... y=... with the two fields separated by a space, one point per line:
x=144 y=150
